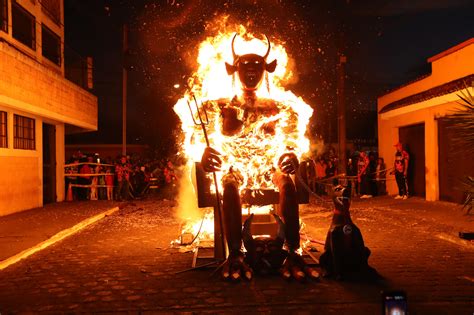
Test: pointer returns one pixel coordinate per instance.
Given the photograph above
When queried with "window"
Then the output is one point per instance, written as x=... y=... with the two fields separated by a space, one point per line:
x=24 y=133
x=3 y=15
x=51 y=44
x=3 y=130
x=53 y=9
x=24 y=28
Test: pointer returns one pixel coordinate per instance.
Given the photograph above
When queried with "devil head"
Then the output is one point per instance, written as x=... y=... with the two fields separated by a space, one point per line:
x=264 y=254
x=250 y=67
x=341 y=198
x=342 y=202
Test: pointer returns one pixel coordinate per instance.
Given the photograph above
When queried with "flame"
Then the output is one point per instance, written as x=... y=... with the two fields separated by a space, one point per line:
x=251 y=155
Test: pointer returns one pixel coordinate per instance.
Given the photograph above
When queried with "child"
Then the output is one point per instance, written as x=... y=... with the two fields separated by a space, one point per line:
x=109 y=181
x=93 y=186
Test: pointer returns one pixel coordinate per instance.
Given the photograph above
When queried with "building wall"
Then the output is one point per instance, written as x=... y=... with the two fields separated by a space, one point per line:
x=455 y=63
x=21 y=172
x=453 y=66
x=28 y=85
x=35 y=87
x=35 y=8
x=388 y=136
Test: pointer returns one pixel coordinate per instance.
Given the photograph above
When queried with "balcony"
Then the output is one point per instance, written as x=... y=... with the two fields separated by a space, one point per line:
x=29 y=86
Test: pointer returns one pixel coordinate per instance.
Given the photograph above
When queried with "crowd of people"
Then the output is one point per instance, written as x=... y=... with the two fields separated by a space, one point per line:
x=90 y=178
x=125 y=178
x=365 y=171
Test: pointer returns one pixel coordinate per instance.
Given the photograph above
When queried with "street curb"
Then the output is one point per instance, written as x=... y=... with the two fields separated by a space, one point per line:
x=456 y=240
x=55 y=238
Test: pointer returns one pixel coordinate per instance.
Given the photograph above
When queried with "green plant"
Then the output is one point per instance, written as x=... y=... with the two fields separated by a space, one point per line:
x=463 y=122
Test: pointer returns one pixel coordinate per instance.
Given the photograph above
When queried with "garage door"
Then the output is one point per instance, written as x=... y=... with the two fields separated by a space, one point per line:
x=454 y=165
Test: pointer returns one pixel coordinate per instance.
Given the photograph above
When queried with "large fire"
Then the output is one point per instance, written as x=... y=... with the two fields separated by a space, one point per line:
x=251 y=154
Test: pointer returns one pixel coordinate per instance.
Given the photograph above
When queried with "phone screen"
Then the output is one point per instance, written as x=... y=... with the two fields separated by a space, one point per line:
x=395 y=303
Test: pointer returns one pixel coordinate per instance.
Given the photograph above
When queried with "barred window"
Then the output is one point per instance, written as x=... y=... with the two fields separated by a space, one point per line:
x=24 y=133
x=3 y=130
x=3 y=15
x=24 y=28
x=51 y=44
x=53 y=9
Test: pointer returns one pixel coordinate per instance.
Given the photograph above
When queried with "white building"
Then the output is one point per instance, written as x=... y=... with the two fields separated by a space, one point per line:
x=415 y=114
x=38 y=105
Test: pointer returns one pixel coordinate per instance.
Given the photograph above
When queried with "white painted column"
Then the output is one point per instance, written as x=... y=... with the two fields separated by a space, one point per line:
x=60 y=160
x=39 y=152
x=431 y=159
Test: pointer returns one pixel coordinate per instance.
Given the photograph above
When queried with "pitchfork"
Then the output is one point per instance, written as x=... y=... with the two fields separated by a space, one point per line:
x=203 y=123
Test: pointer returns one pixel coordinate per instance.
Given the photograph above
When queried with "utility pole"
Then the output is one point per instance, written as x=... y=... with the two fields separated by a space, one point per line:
x=341 y=113
x=124 y=89
x=343 y=18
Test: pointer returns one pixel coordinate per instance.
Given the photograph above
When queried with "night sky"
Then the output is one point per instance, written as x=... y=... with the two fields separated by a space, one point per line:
x=387 y=43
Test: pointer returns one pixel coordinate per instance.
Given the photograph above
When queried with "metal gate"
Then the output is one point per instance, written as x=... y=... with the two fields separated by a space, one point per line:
x=454 y=164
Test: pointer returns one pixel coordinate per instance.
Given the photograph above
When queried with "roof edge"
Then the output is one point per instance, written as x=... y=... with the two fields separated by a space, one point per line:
x=451 y=50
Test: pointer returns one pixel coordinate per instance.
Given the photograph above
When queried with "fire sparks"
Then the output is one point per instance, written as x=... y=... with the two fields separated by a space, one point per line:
x=252 y=155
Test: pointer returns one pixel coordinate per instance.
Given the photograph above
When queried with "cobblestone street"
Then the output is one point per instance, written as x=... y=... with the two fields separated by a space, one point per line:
x=124 y=263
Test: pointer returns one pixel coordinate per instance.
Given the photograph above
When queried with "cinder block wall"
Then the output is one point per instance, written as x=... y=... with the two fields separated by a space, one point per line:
x=30 y=86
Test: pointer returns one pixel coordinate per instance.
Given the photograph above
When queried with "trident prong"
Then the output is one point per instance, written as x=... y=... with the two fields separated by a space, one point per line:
x=203 y=124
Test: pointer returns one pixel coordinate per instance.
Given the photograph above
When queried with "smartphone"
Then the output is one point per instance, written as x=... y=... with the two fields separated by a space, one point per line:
x=394 y=303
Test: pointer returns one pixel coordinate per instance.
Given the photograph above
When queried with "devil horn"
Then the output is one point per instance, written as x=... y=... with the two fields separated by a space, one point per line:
x=281 y=227
x=246 y=233
x=234 y=55
x=269 y=47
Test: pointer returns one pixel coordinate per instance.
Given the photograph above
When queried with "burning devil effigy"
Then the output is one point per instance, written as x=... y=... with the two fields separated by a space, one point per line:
x=244 y=138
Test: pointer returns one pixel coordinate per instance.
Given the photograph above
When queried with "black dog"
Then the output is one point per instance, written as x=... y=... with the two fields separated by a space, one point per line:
x=345 y=255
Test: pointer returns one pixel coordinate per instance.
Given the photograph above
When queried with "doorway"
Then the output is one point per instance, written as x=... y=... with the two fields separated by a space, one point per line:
x=49 y=163
x=413 y=140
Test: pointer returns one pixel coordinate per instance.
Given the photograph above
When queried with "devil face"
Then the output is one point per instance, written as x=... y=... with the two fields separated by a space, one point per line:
x=265 y=255
x=250 y=68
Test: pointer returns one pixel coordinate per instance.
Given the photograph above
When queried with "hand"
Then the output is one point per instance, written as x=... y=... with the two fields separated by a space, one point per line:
x=211 y=161
x=288 y=163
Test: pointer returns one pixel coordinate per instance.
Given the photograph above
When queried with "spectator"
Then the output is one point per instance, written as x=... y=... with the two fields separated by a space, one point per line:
x=109 y=181
x=401 y=171
x=102 y=183
x=331 y=170
x=320 y=174
x=122 y=171
x=380 y=177
x=93 y=189
x=362 y=179
x=83 y=191
x=372 y=184
x=311 y=174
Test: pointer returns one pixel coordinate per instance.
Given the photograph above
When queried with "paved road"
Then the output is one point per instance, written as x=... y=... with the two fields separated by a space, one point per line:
x=125 y=264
